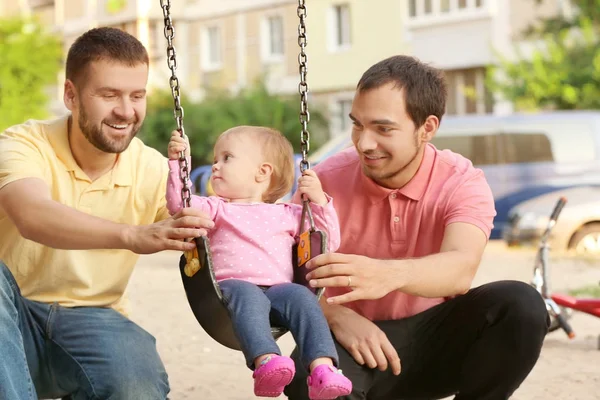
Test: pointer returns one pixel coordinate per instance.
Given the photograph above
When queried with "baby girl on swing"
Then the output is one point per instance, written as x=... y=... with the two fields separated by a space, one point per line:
x=251 y=245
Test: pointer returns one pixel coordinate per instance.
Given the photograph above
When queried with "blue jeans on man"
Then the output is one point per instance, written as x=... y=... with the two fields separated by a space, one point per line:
x=91 y=353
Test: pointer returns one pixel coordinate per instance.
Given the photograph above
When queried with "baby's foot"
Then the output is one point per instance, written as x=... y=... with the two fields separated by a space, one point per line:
x=327 y=382
x=273 y=375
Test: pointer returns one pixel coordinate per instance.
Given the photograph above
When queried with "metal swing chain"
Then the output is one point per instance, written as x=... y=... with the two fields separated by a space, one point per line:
x=175 y=91
x=303 y=86
x=304 y=114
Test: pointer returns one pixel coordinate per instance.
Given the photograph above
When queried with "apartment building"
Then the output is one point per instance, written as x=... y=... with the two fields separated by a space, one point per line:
x=463 y=36
x=220 y=44
x=229 y=44
x=232 y=43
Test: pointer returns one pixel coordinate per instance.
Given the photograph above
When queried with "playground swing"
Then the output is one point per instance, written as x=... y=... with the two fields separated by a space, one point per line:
x=196 y=267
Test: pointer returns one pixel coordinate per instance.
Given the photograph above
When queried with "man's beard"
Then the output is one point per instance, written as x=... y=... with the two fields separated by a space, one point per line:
x=102 y=142
x=382 y=176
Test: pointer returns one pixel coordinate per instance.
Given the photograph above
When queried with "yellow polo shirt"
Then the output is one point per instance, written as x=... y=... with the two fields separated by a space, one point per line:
x=133 y=192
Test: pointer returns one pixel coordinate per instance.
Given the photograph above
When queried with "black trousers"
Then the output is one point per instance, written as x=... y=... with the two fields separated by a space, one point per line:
x=478 y=346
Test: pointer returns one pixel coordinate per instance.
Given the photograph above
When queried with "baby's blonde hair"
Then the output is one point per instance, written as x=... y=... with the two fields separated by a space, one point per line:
x=277 y=151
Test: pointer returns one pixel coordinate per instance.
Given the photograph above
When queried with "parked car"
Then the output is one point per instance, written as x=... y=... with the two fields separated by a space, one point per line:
x=577 y=228
x=526 y=155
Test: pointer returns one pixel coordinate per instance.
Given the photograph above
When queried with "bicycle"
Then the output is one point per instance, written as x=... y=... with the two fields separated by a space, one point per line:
x=559 y=306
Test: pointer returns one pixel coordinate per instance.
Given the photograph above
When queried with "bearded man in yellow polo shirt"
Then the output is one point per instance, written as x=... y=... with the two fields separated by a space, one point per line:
x=80 y=198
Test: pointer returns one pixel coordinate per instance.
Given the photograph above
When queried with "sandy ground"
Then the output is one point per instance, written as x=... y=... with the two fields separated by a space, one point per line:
x=199 y=368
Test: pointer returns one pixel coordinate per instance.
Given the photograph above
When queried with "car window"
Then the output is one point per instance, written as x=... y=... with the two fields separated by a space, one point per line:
x=480 y=149
x=526 y=148
x=569 y=140
x=525 y=141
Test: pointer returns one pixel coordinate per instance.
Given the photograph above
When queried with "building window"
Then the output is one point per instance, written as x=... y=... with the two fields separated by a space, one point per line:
x=212 y=56
x=341 y=26
x=467 y=93
x=444 y=5
x=421 y=8
x=276 y=35
x=272 y=38
x=428 y=6
x=344 y=107
x=155 y=38
x=214 y=40
x=412 y=8
x=129 y=27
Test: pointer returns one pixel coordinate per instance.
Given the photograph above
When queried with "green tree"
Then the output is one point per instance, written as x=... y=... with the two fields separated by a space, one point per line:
x=30 y=59
x=564 y=70
x=205 y=121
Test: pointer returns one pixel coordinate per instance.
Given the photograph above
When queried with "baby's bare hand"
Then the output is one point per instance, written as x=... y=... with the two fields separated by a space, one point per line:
x=177 y=144
x=310 y=186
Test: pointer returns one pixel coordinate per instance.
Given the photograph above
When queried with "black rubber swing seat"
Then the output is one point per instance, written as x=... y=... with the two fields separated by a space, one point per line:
x=206 y=300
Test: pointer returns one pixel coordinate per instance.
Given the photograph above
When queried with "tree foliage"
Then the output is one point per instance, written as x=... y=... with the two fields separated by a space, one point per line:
x=204 y=121
x=563 y=71
x=30 y=59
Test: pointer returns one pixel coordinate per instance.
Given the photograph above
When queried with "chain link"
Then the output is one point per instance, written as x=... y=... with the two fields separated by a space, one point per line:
x=303 y=86
x=304 y=114
x=175 y=91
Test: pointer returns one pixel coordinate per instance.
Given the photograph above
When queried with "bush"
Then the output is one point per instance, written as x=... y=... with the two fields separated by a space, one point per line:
x=30 y=59
x=204 y=121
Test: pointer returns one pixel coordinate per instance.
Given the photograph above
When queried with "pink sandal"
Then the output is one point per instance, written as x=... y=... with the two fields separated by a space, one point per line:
x=327 y=382
x=274 y=374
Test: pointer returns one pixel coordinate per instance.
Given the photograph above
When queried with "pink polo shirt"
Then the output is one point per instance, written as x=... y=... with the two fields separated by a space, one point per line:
x=403 y=223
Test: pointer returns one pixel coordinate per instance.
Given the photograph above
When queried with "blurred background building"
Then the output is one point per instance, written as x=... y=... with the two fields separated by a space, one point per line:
x=228 y=44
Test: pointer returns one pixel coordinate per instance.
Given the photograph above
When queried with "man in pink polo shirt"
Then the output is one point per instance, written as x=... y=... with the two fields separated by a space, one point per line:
x=415 y=221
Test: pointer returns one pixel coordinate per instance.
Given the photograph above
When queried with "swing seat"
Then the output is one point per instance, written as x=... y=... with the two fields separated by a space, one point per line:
x=206 y=299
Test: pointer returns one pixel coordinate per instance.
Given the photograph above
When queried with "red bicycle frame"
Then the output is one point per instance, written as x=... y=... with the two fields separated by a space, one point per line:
x=589 y=306
x=558 y=303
